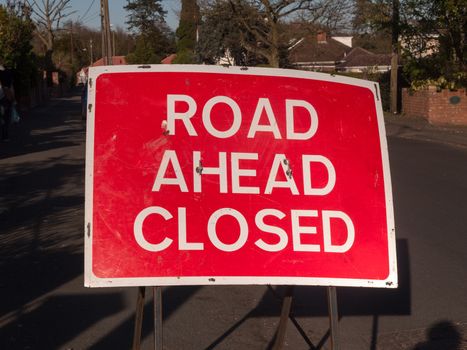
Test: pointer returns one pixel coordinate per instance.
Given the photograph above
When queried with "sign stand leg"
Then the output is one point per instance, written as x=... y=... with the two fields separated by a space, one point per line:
x=139 y=318
x=333 y=317
x=285 y=312
x=157 y=318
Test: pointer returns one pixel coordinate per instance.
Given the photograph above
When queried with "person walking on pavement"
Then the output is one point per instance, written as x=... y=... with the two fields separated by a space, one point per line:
x=7 y=99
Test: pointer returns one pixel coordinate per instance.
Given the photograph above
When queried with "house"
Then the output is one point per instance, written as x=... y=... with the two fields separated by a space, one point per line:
x=359 y=60
x=318 y=52
x=335 y=53
x=82 y=75
x=116 y=60
x=169 y=59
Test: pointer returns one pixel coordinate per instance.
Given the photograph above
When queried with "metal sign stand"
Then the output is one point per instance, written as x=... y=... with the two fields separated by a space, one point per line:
x=157 y=318
x=139 y=318
x=281 y=329
x=286 y=314
x=333 y=317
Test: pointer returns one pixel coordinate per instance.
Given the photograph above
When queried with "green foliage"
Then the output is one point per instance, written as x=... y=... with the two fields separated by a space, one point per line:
x=186 y=34
x=433 y=34
x=435 y=51
x=221 y=38
x=15 y=48
x=441 y=83
x=147 y=51
x=187 y=31
x=378 y=42
x=185 y=56
x=144 y=15
x=372 y=16
x=154 y=40
x=258 y=32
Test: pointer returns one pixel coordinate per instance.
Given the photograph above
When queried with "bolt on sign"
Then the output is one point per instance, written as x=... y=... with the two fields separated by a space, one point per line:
x=211 y=175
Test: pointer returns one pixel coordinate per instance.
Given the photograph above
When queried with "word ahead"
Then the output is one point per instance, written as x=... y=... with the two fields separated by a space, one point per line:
x=214 y=175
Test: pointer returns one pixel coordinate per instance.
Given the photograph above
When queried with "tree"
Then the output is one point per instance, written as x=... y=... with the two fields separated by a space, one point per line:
x=154 y=40
x=382 y=17
x=372 y=16
x=433 y=35
x=330 y=15
x=144 y=15
x=221 y=39
x=436 y=40
x=48 y=16
x=269 y=17
x=187 y=32
x=15 y=46
x=379 y=42
x=372 y=25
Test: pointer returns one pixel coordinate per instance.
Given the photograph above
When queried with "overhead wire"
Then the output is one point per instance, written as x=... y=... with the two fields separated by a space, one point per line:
x=92 y=18
x=83 y=17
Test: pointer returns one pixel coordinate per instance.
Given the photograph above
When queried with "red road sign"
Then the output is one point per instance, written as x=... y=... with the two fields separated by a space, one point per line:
x=211 y=175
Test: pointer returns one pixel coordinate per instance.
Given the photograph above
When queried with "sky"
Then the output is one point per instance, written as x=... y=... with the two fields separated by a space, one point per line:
x=117 y=13
x=87 y=11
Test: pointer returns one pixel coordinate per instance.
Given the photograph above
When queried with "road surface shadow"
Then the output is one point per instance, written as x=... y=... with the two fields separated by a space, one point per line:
x=41 y=229
x=57 y=320
x=35 y=190
x=121 y=336
x=443 y=335
x=46 y=128
x=41 y=217
x=312 y=302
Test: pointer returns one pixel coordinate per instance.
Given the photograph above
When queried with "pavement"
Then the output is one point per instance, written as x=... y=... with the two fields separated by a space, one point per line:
x=401 y=126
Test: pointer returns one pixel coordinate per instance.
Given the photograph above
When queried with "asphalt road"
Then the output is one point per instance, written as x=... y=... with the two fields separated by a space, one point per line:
x=45 y=306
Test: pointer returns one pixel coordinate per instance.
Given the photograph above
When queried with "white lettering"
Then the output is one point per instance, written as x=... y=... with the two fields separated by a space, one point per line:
x=328 y=246
x=264 y=104
x=273 y=183
x=169 y=157
x=289 y=112
x=283 y=238
x=307 y=185
x=138 y=229
x=183 y=244
x=237 y=173
x=298 y=230
x=237 y=117
x=212 y=233
x=200 y=171
x=183 y=116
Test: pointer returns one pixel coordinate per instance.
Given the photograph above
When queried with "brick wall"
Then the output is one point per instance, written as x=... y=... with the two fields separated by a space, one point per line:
x=438 y=107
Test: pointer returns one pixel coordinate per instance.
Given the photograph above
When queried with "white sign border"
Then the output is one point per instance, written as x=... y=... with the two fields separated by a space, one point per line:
x=90 y=280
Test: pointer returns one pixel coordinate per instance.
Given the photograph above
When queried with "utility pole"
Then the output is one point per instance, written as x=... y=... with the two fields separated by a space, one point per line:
x=105 y=30
x=113 y=42
x=104 y=56
x=395 y=55
x=107 y=33
x=71 y=44
x=92 y=54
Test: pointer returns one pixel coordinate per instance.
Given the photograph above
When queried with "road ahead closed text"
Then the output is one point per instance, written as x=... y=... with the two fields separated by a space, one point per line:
x=229 y=173
x=205 y=177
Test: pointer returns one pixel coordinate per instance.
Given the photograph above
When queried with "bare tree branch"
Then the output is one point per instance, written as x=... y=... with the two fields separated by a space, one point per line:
x=48 y=15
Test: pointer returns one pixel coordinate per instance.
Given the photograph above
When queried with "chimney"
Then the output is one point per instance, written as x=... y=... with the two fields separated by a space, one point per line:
x=321 y=37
